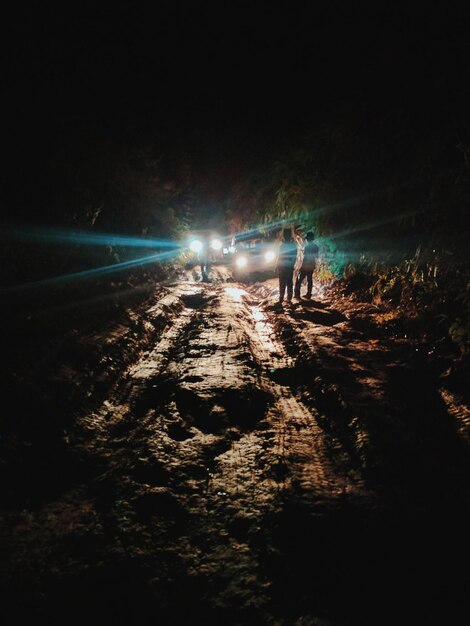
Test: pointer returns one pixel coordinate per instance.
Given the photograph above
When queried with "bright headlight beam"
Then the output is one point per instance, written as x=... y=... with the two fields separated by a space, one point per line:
x=91 y=273
x=269 y=256
x=241 y=261
x=67 y=237
x=216 y=244
x=196 y=246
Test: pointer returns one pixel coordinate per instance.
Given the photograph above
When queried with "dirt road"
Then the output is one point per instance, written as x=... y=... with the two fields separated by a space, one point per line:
x=253 y=466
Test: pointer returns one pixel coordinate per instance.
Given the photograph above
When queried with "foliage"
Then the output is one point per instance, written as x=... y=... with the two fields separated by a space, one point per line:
x=89 y=186
x=388 y=200
x=459 y=329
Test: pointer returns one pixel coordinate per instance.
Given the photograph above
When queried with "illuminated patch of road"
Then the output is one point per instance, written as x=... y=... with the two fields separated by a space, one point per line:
x=300 y=442
x=151 y=363
x=263 y=329
x=236 y=293
x=175 y=316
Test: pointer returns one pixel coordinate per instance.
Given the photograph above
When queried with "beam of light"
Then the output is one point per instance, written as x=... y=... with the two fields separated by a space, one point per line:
x=91 y=273
x=61 y=236
x=259 y=230
x=288 y=221
x=336 y=206
x=371 y=225
x=296 y=217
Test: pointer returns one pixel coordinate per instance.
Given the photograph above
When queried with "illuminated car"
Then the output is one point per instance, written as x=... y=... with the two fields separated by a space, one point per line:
x=204 y=246
x=254 y=259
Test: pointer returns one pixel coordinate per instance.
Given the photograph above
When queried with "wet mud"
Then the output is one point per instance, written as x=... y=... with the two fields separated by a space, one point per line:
x=248 y=464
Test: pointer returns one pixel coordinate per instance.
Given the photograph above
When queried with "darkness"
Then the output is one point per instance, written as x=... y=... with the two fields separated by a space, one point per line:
x=232 y=83
x=148 y=123
x=215 y=95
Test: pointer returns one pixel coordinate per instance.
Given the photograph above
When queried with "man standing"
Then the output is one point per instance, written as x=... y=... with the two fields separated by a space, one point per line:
x=205 y=262
x=308 y=265
x=285 y=265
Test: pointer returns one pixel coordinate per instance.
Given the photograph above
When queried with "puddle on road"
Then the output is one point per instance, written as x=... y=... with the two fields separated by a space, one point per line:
x=258 y=315
x=236 y=293
x=263 y=328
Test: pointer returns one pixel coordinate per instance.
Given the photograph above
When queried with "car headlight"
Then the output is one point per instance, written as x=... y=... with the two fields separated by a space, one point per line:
x=241 y=261
x=196 y=246
x=216 y=244
x=269 y=256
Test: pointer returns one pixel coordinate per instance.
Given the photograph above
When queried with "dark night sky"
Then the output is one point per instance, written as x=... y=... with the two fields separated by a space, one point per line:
x=237 y=79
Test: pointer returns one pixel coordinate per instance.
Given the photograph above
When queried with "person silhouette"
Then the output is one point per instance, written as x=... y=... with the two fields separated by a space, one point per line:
x=310 y=256
x=285 y=265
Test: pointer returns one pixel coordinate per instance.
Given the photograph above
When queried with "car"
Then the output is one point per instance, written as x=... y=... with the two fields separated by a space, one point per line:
x=204 y=245
x=253 y=257
x=204 y=248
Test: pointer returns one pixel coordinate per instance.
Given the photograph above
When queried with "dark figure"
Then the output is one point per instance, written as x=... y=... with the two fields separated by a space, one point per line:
x=307 y=267
x=205 y=263
x=285 y=265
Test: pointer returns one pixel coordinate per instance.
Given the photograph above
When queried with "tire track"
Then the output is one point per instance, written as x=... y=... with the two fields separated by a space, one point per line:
x=117 y=407
x=301 y=445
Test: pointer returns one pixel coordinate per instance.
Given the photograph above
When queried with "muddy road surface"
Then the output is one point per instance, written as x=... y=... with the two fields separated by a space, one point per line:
x=246 y=465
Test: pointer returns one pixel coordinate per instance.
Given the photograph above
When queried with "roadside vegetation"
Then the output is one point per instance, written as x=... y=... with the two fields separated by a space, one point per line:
x=387 y=198
x=389 y=205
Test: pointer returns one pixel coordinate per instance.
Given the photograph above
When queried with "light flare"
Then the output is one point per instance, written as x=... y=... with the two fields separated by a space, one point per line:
x=91 y=273
x=216 y=244
x=67 y=237
x=196 y=246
